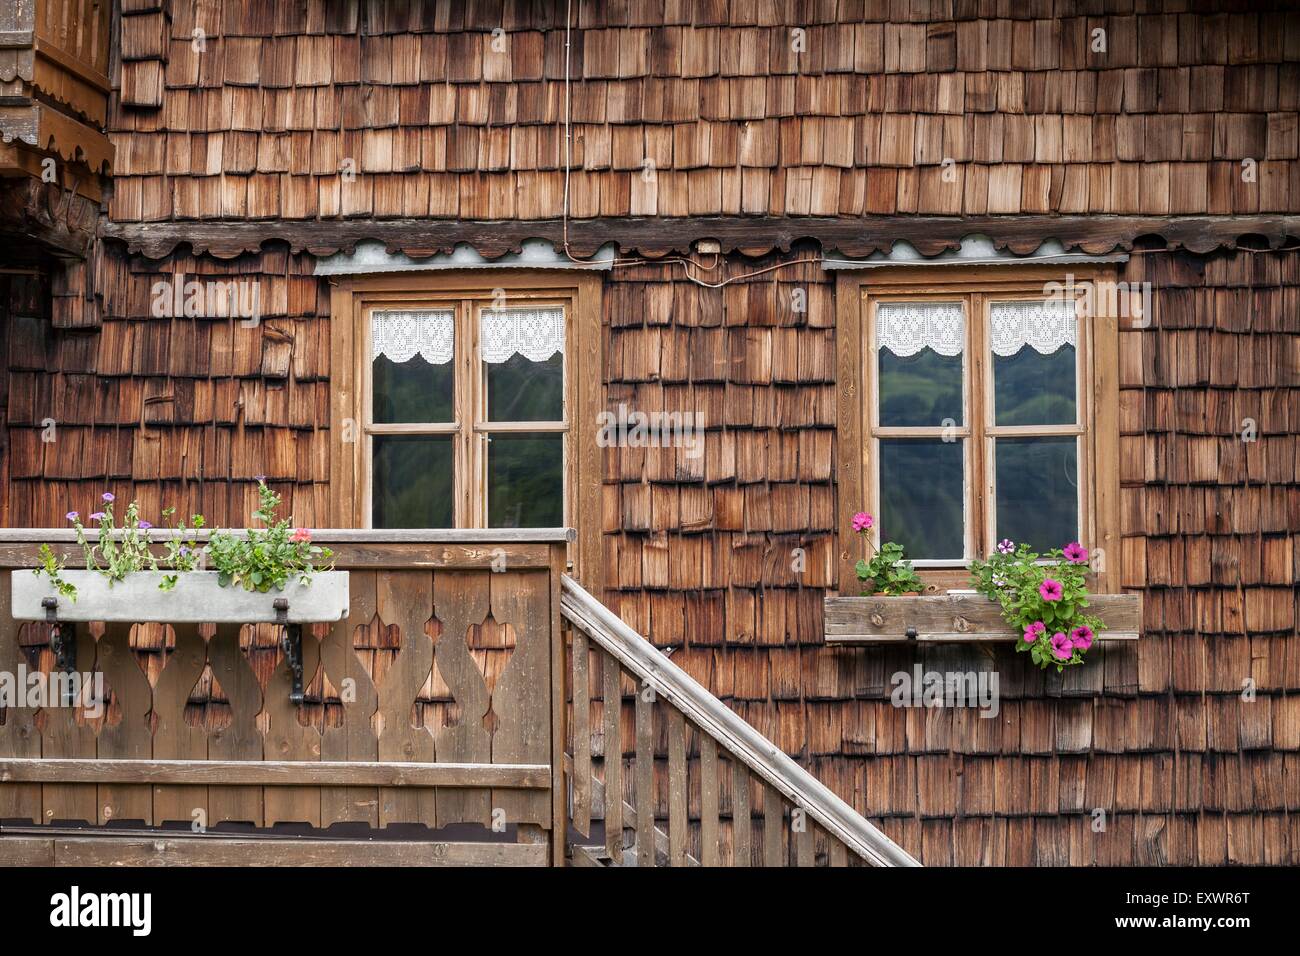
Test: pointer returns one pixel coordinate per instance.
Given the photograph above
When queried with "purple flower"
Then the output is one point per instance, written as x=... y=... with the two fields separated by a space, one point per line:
x=97 y=516
x=1034 y=631
x=185 y=550
x=1082 y=637
x=260 y=479
x=107 y=496
x=1051 y=590
x=1006 y=546
x=1076 y=553
x=145 y=525
x=1062 y=647
x=72 y=516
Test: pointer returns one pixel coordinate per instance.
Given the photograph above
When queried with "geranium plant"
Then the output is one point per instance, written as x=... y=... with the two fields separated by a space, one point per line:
x=266 y=558
x=1043 y=597
x=886 y=573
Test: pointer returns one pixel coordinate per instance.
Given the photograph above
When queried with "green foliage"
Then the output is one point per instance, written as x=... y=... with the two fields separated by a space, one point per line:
x=1015 y=579
x=183 y=552
x=52 y=568
x=887 y=573
x=266 y=558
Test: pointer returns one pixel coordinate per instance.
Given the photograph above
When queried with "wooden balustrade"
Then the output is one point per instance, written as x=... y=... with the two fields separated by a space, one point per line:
x=674 y=778
x=430 y=704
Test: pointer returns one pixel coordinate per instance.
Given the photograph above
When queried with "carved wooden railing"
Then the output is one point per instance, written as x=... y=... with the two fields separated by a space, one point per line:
x=720 y=794
x=429 y=704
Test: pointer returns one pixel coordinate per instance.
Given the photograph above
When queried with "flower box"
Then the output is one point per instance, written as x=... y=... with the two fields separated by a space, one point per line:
x=197 y=598
x=955 y=618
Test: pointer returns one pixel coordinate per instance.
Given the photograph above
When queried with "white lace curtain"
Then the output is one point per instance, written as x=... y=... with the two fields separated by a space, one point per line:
x=1044 y=326
x=400 y=336
x=536 y=334
x=905 y=328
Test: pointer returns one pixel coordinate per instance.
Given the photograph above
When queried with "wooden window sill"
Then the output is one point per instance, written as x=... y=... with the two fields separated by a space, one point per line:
x=955 y=618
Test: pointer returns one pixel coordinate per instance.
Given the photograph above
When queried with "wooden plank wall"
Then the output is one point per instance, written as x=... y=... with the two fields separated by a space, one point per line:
x=412 y=675
x=732 y=110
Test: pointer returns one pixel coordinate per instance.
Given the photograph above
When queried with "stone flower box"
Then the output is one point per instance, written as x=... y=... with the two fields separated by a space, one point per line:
x=196 y=599
x=955 y=618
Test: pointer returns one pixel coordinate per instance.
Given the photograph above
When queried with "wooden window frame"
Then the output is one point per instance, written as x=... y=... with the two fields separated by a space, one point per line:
x=1097 y=384
x=352 y=300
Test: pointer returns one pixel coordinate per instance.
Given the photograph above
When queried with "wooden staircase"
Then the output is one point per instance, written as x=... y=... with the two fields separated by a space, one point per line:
x=755 y=805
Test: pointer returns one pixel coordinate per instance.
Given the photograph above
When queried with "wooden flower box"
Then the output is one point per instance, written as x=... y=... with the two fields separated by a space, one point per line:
x=196 y=599
x=955 y=618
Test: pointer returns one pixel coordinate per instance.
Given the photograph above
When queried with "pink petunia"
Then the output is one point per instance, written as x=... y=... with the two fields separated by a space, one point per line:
x=1038 y=627
x=1062 y=647
x=1030 y=635
x=863 y=521
x=1082 y=637
x=1051 y=590
x=1076 y=553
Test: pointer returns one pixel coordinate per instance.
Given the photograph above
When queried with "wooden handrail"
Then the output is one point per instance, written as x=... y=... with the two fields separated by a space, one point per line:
x=714 y=718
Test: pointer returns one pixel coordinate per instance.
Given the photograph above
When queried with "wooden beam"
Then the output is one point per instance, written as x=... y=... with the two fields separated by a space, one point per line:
x=854 y=236
x=270 y=773
x=227 y=851
x=956 y=618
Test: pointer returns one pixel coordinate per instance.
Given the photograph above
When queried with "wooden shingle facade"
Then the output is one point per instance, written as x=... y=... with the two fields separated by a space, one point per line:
x=788 y=133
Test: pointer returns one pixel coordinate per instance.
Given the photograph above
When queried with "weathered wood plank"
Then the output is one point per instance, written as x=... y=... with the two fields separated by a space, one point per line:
x=241 y=739
x=173 y=737
x=742 y=825
x=581 y=778
x=355 y=739
x=645 y=777
x=68 y=734
x=274 y=773
x=773 y=826
x=955 y=618
x=612 y=704
x=406 y=599
x=708 y=801
x=224 y=851
x=18 y=734
x=129 y=738
x=677 y=820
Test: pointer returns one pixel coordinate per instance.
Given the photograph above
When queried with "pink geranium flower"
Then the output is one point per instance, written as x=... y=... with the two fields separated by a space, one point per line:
x=300 y=535
x=1050 y=590
x=1076 y=553
x=1062 y=648
x=1081 y=636
x=863 y=521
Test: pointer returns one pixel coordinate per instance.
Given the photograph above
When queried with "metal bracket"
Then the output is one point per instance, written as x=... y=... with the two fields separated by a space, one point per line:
x=291 y=644
x=911 y=633
x=62 y=643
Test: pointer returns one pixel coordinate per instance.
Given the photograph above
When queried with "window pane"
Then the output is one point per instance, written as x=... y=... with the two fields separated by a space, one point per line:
x=1034 y=362
x=921 y=497
x=411 y=483
x=411 y=365
x=919 y=349
x=520 y=390
x=1038 y=491
x=526 y=481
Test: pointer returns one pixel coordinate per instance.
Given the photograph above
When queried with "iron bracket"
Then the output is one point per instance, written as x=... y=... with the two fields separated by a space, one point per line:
x=291 y=644
x=62 y=643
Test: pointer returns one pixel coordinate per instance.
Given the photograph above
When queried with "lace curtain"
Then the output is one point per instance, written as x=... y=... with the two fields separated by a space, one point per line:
x=1044 y=326
x=905 y=328
x=400 y=336
x=536 y=334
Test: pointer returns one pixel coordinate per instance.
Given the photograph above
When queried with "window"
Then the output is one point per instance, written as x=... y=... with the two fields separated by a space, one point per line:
x=455 y=398
x=981 y=416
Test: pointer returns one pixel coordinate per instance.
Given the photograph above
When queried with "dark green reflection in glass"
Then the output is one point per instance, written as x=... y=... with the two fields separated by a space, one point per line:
x=921 y=497
x=411 y=484
x=1030 y=388
x=520 y=390
x=1038 y=491
x=526 y=481
x=412 y=391
x=920 y=389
